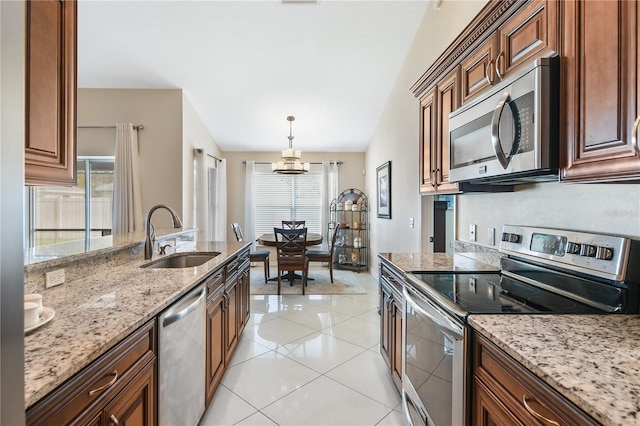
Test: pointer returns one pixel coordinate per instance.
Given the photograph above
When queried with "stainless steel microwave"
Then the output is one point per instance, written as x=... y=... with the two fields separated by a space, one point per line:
x=510 y=134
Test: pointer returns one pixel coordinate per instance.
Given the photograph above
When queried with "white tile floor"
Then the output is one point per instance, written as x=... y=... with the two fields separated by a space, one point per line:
x=309 y=360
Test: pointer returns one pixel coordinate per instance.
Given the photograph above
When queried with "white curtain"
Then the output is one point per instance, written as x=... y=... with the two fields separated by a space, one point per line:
x=220 y=210
x=330 y=188
x=210 y=196
x=127 y=197
x=248 y=226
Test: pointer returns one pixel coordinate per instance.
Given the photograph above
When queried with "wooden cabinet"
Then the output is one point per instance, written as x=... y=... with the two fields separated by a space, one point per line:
x=50 y=119
x=228 y=310
x=435 y=108
x=215 y=349
x=506 y=393
x=530 y=34
x=601 y=90
x=117 y=387
x=391 y=309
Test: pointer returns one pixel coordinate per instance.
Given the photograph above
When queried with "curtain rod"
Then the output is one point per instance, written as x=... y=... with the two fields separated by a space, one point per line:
x=200 y=151
x=135 y=126
x=339 y=163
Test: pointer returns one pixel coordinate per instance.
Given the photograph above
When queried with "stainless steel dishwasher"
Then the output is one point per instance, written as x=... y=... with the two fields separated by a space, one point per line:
x=182 y=360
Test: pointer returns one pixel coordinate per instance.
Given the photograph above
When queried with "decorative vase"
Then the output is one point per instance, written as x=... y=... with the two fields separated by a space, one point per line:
x=348 y=205
x=354 y=207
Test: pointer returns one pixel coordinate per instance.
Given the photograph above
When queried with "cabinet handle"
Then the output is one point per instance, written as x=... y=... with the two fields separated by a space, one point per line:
x=634 y=136
x=498 y=65
x=106 y=386
x=535 y=414
x=115 y=420
x=486 y=75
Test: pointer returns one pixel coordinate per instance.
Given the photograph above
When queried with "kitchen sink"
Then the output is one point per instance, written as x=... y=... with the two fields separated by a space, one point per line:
x=182 y=260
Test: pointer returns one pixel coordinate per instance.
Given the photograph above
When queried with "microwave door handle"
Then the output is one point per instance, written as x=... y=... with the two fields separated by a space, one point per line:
x=495 y=131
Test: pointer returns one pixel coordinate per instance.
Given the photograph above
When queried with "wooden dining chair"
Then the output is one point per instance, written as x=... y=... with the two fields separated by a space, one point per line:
x=325 y=255
x=254 y=256
x=290 y=245
x=293 y=224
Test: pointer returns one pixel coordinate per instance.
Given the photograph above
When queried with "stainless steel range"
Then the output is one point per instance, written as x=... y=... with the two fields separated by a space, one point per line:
x=542 y=271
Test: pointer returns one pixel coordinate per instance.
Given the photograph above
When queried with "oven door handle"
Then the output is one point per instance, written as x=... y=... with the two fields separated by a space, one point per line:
x=436 y=316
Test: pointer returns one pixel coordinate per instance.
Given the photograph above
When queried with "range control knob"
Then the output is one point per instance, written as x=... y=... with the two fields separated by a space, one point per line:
x=588 y=250
x=511 y=238
x=604 y=253
x=573 y=248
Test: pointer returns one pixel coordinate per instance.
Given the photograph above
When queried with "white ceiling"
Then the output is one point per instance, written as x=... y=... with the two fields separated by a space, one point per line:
x=246 y=65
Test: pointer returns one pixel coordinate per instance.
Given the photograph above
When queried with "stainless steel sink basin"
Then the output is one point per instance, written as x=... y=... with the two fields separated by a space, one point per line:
x=182 y=260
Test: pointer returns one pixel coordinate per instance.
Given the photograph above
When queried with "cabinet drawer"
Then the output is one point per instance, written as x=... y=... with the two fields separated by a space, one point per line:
x=98 y=382
x=395 y=281
x=214 y=281
x=520 y=390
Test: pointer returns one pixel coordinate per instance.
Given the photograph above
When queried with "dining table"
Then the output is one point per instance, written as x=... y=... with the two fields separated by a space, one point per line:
x=313 y=239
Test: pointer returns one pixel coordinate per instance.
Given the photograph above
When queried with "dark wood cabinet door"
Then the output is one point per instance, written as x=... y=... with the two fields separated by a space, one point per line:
x=601 y=90
x=135 y=405
x=385 y=323
x=477 y=72
x=532 y=33
x=245 y=297
x=397 y=348
x=231 y=317
x=215 y=353
x=50 y=119
x=427 y=135
x=448 y=99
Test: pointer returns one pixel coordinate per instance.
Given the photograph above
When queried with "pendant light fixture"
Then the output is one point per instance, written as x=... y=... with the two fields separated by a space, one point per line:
x=290 y=163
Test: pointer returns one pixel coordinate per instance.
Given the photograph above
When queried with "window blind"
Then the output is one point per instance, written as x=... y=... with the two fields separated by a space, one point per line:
x=287 y=197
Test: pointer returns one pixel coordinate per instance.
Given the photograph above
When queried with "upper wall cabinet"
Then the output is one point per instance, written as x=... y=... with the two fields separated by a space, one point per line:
x=436 y=106
x=505 y=35
x=600 y=80
x=529 y=34
x=50 y=134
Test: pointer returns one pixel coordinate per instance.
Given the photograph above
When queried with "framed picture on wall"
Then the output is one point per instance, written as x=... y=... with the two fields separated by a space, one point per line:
x=383 y=179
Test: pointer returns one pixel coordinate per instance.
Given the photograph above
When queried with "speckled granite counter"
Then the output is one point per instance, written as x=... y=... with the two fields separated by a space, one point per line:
x=95 y=312
x=590 y=359
x=438 y=262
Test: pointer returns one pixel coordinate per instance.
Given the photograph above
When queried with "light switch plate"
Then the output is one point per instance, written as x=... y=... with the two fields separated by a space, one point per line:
x=410 y=222
x=472 y=232
x=491 y=236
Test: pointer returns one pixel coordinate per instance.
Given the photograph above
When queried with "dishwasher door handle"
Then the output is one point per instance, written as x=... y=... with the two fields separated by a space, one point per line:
x=167 y=321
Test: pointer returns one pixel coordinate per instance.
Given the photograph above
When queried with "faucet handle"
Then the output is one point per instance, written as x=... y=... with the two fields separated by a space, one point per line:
x=163 y=248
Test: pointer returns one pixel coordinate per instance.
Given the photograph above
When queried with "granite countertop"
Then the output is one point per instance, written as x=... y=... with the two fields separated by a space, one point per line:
x=440 y=262
x=95 y=312
x=590 y=359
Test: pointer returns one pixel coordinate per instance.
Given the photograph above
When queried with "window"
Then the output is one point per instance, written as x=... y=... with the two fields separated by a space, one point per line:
x=59 y=214
x=288 y=197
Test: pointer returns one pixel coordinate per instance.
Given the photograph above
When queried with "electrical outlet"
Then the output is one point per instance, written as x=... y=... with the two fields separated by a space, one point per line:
x=54 y=278
x=491 y=236
x=410 y=222
x=472 y=232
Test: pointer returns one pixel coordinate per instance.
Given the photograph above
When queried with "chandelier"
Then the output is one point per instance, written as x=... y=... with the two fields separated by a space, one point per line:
x=290 y=163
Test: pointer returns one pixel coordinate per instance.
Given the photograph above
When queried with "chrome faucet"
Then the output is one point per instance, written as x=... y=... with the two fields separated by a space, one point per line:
x=150 y=236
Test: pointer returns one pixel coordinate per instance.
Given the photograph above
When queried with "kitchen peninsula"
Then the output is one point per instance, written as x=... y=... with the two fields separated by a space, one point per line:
x=112 y=296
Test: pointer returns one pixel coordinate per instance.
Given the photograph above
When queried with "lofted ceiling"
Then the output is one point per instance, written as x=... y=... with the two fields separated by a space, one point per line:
x=246 y=65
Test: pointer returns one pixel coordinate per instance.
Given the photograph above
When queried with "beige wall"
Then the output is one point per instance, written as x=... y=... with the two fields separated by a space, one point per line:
x=160 y=143
x=396 y=135
x=350 y=174
x=172 y=129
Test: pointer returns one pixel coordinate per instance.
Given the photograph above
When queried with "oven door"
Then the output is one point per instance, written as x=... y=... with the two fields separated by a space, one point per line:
x=433 y=363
